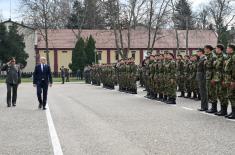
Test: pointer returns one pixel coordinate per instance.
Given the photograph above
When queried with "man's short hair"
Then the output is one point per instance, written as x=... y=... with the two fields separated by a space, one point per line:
x=209 y=47
x=232 y=46
x=220 y=46
x=201 y=50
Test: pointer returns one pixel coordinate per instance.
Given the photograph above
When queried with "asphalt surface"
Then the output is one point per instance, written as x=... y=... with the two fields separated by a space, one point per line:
x=90 y=120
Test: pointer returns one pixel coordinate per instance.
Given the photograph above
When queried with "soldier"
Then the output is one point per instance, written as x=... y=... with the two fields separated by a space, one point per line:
x=180 y=74
x=156 y=77
x=229 y=79
x=13 y=79
x=192 y=77
x=171 y=79
x=187 y=63
x=209 y=75
x=161 y=76
x=216 y=82
x=147 y=75
x=151 y=76
x=165 y=80
x=133 y=73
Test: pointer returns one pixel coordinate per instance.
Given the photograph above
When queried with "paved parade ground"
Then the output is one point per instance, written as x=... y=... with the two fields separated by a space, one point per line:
x=87 y=120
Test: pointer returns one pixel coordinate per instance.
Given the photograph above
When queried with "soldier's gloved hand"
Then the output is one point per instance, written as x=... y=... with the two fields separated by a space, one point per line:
x=172 y=81
x=232 y=85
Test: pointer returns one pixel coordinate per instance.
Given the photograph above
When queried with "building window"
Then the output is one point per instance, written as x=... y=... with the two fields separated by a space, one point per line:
x=46 y=51
x=133 y=54
x=64 y=51
x=99 y=55
x=116 y=55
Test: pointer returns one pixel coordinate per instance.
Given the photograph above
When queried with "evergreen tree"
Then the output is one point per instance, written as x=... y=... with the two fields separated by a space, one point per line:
x=78 y=56
x=183 y=15
x=76 y=18
x=90 y=51
x=4 y=55
x=17 y=45
x=12 y=45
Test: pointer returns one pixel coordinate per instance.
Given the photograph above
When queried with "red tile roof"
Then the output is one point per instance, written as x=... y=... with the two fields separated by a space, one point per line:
x=65 y=38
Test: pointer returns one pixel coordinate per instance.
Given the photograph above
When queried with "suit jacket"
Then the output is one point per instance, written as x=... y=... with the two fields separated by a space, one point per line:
x=40 y=76
x=201 y=69
x=13 y=74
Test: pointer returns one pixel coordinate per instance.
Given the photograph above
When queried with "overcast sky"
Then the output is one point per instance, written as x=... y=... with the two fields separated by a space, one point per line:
x=5 y=8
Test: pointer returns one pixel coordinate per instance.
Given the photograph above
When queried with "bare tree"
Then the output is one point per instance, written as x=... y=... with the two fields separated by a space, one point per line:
x=202 y=19
x=158 y=13
x=222 y=15
x=175 y=28
x=42 y=15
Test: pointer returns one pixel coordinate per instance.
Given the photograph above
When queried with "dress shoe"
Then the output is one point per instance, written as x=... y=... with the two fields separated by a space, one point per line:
x=40 y=106
x=8 y=105
x=44 y=108
x=14 y=104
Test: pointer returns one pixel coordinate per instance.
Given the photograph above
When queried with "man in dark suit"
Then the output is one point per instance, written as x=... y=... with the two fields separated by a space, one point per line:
x=41 y=79
x=201 y=78
x=13 y=79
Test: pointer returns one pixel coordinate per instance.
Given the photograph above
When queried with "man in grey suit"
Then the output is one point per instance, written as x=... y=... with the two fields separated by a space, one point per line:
x=201 y=78
x=13 y=79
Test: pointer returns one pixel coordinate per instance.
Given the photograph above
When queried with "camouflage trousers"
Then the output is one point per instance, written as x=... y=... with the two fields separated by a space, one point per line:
x=187 y=85
x=231 y=96
x=221 y=92
x=211 y=92
x=171 y=88
x=180 y=83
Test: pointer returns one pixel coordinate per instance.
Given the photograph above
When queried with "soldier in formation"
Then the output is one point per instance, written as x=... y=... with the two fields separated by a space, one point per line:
x=161 y=74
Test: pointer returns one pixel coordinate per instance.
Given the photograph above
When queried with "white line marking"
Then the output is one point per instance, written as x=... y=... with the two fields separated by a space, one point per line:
x=207 y=114
x=233 y=120
x=187 y=108
x=54 y=137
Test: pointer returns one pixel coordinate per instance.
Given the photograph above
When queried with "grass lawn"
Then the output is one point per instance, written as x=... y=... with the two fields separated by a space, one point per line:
x=29 y=80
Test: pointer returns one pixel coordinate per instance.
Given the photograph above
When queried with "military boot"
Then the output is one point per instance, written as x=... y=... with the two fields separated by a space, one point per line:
x=213 y=108
x=160 y=97
x=189 y=94
x=223 y=111
x=182 y=94
x=164 y=98
x=171 y=101
x=232 y=116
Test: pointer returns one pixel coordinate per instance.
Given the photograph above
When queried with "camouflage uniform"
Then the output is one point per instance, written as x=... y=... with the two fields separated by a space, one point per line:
x=171 y=81
x=180 y=77
x=209 y=74
x=186 y=78
x=216 y=83
x=229 y=82
x=193 y=81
